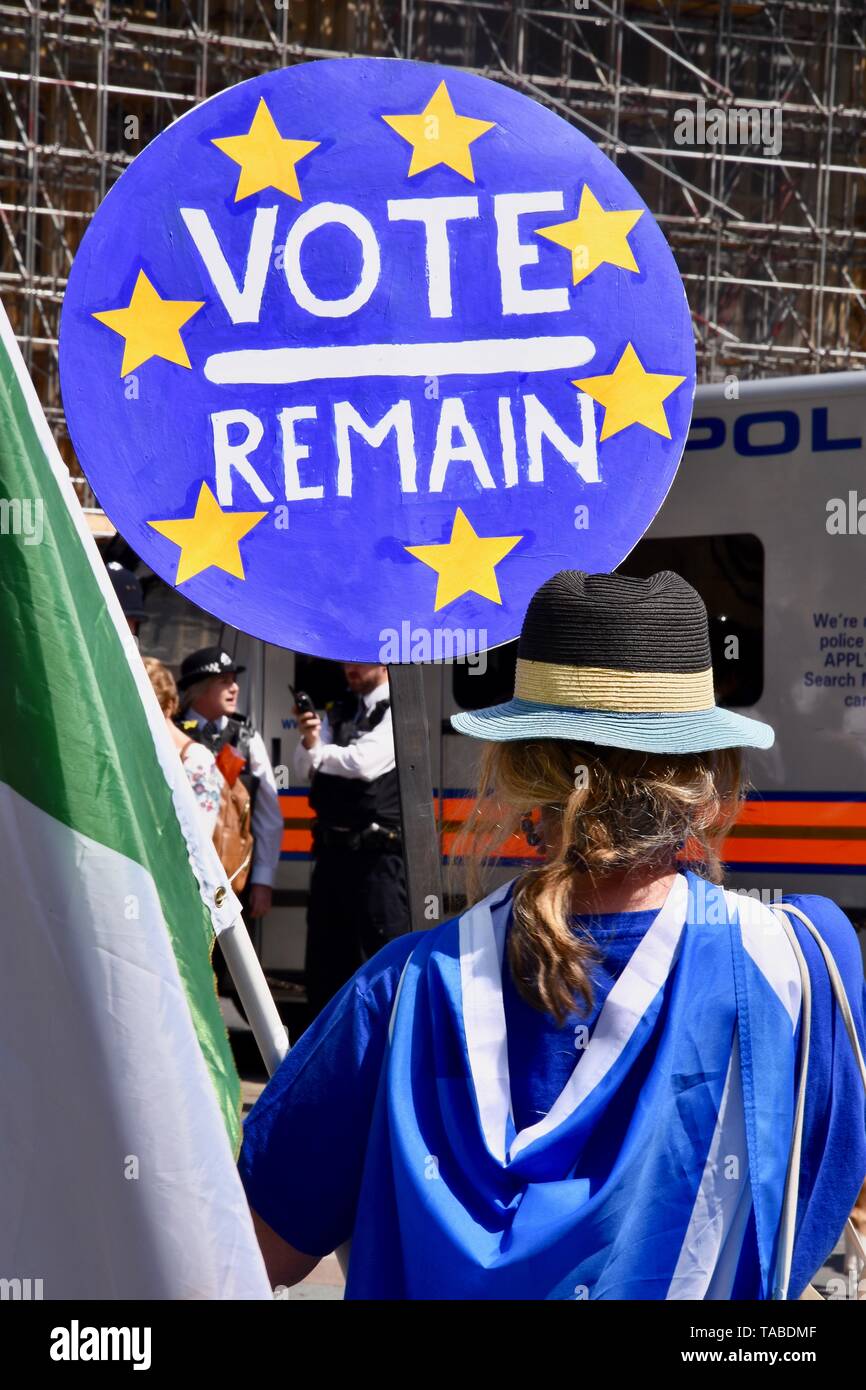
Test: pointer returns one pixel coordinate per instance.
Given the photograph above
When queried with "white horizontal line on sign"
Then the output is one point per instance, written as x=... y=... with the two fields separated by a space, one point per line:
x=484 y=356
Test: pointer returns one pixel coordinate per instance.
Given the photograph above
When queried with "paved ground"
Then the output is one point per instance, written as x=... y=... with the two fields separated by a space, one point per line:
x=325 y=1282
x=250 y=1092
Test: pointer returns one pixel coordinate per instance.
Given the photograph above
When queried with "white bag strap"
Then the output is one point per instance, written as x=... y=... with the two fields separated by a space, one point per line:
x=836 y=982
x=792 y=1179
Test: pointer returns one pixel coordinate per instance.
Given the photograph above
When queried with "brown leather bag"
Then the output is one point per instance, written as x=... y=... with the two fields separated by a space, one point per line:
x=233 y=836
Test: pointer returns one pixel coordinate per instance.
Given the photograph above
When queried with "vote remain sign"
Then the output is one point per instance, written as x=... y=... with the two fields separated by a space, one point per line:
x=362 y=343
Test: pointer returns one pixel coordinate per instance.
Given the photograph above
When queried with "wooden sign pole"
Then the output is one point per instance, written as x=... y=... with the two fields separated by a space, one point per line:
x=421 y=850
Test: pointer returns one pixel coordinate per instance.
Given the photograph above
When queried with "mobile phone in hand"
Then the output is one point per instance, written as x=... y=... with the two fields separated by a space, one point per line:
x=303 y=701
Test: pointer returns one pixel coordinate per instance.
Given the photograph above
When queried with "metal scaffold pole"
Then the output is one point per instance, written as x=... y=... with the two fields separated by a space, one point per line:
x=770 y=241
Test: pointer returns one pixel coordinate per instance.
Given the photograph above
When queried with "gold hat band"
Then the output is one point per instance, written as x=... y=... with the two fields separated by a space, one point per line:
x=627 y=692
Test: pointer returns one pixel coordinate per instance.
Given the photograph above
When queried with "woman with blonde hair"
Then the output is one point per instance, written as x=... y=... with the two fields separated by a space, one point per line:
x=591 y=1084
x=199 y=763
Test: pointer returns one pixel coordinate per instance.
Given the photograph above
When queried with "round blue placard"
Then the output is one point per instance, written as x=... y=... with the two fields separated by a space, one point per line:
x=358 y=353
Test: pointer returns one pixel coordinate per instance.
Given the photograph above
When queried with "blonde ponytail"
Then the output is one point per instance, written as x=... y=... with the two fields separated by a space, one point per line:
x=603 y=811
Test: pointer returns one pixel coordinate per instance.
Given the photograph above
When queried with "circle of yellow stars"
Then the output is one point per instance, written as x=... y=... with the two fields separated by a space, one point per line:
x=439 y=135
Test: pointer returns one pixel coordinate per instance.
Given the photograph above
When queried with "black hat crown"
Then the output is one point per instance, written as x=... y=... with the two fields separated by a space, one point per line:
x=612 y=642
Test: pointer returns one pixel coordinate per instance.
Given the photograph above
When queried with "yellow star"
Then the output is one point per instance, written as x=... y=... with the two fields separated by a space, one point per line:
x=594 y=237
x=266 y=159
x=631 y=396
x=440 y=136
x=150 y=325
x=209 y=538
x=466 y=563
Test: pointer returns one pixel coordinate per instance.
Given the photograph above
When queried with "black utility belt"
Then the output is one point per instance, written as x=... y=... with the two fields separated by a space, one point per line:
x=372 y=837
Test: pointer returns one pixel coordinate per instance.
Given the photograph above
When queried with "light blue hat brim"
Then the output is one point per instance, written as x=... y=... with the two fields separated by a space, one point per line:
x=698 y=731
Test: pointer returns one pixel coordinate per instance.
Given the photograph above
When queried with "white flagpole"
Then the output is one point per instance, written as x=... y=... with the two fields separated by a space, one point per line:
x=249 y=981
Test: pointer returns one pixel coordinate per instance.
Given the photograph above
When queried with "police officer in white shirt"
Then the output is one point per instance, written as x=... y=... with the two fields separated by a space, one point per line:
x=209 y=697
x=358 y=898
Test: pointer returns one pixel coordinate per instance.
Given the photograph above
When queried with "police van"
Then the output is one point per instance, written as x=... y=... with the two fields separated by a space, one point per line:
x=767 y=519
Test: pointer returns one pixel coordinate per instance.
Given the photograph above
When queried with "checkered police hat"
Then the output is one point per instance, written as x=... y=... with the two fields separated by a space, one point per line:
x=209 y=661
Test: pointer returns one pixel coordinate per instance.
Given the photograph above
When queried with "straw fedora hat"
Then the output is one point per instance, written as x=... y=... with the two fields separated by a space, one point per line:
x=622 y=662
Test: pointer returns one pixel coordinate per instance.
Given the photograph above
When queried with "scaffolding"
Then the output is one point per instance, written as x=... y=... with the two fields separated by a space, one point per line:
x=688 y=97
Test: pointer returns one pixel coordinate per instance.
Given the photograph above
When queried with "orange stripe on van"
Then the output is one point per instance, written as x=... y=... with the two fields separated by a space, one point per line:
x=740 y=849
x=831 y=813
x=514 y=848
x=454 y=808
x=766 y=831
x=297 y=842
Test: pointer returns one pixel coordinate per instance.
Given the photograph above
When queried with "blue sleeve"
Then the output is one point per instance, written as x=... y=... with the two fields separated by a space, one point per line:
x=833 y=1162
x=305 y=1140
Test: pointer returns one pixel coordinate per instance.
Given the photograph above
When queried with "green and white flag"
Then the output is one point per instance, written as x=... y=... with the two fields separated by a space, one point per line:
x=121 y=1102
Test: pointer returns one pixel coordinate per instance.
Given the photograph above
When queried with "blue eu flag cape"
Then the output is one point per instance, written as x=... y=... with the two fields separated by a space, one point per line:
x=669 y=1139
